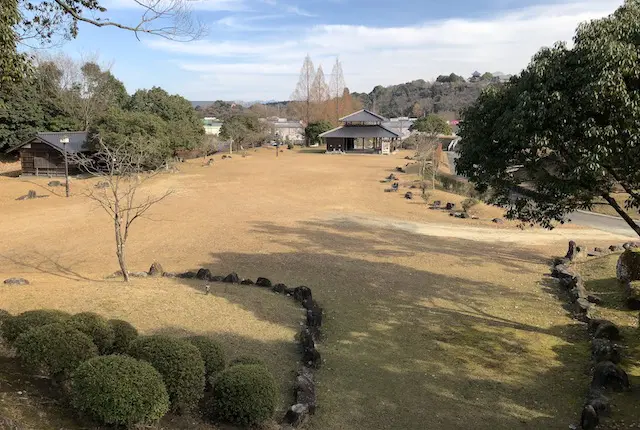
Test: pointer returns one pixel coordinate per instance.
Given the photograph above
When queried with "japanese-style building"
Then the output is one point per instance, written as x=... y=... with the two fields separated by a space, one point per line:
x=43 y=154
x=361 y=132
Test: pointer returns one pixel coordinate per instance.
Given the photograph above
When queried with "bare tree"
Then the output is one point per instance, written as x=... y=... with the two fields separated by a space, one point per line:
x=122 y=170
x=46 y=22
x=302 y=92
x=319 y=96
x=337 y=86
x=428 y=153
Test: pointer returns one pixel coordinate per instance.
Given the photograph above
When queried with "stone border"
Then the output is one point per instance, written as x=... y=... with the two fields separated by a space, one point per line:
x=605 y=352
x=305 y=386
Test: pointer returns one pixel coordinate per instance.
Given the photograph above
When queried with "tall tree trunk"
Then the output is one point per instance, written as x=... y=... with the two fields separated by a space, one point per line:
x=120 y=252
x=625 y=216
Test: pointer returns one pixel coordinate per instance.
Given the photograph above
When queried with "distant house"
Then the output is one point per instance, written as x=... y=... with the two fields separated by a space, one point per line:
x=212 y=125
x=286 y=129
x=43 y=154
x=400 y=126
x=361 y=131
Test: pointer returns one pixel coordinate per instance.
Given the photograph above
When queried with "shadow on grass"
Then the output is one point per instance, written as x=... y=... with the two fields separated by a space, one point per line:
x=46 y=264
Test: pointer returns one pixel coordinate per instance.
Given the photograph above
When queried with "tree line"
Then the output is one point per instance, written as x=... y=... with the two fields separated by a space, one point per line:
x=66 y=95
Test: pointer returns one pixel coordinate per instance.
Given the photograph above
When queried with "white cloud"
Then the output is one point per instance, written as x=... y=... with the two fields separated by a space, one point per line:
x=267 y=68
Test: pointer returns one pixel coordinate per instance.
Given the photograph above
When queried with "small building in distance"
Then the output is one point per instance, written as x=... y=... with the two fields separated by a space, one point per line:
x=400 y=126
x=361 y=132
x=212 y=125
x=43 y=154
x=286 y=130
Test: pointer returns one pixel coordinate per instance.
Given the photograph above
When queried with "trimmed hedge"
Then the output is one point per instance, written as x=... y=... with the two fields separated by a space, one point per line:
x=96 y=327
x=246 y=359
x=244 y=395
x=55 y=349
x=124 y=334
x=14 y=326
x=179 y=363
x=4 y=315
x=120 y=390
x=212 y=354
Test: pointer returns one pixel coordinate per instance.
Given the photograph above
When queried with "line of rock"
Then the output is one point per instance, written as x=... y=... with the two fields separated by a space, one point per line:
x=605 y=351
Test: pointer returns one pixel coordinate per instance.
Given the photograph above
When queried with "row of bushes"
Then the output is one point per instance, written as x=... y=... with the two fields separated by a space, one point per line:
x=117 y=377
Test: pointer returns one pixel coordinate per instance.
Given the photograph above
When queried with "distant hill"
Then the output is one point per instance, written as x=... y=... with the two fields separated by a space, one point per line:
x=448 y=96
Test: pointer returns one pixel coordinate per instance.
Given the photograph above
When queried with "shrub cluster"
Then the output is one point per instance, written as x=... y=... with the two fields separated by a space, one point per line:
x=179 y=363
x=244 y=395
x=13 y=327
x=119 y=390
x=54 y=349
x=212 y=353
x=96 y=327
x=124 y=333
x=469 y=203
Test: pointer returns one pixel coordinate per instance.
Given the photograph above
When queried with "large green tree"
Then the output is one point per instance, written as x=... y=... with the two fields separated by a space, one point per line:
x=566 y=131
x=187 y=131
x=315 y=129
x=243 y=129
x=432 y=124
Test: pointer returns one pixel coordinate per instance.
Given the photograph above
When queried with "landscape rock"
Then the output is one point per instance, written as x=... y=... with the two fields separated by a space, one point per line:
x=608 y=375
x=203 y=274
x=247 y=282
x=604 y=350
x=309 y=304
x=630 y=245
x=216 y=278
x=599 y=402
x=578 y=292
x=498 y=221
x=232 y=278
x=575 y=252
x=306 y=339
x=263 y=282
x=16 y=281
x=450 y=206
x=138 y=274
x=156 y=269
x=279 y=288
x=170 y=275
x=400 y=169
x=595 y=299
x=600 y=250
x=589 y=419
x=297 y=415
x=582 y=310
x=306 y=390
x=632 y=292
x=102 y=185
x=408 y=195
x=595 y=324
x=311 y=358
x=314 y=317
x=187 y=275
x=616 y=248
x=55 y=184
x=302 y=293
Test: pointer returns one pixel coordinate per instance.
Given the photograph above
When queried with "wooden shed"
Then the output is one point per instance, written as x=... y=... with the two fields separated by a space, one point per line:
x=361 y=132
x=43 y=154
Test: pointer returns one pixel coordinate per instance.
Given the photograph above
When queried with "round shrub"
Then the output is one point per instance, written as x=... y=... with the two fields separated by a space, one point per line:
x=212 y=354
x=96 y=327
x=244 y=395
x=14 y=326
x=120 y=390
x=55 y=349
x=245 y=359
x=124 y=333
x=180 y=365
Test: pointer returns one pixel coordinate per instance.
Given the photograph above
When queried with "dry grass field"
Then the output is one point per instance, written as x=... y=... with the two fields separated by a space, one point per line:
x=432 y=322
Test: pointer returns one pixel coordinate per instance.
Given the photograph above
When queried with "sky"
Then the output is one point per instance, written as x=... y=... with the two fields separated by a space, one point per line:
x=254 y=49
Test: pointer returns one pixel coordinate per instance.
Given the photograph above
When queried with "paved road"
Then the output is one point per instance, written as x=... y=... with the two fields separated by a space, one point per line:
x=605 y=223
x=586 y=219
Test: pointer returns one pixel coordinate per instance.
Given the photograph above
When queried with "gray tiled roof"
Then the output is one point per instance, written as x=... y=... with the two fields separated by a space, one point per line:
x=356 y=131
x=77 y=140
x=363 y=116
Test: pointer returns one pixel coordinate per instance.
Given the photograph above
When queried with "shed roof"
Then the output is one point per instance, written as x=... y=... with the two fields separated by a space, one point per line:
x=356 y=131
x=77 y=141
x=363 y=115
